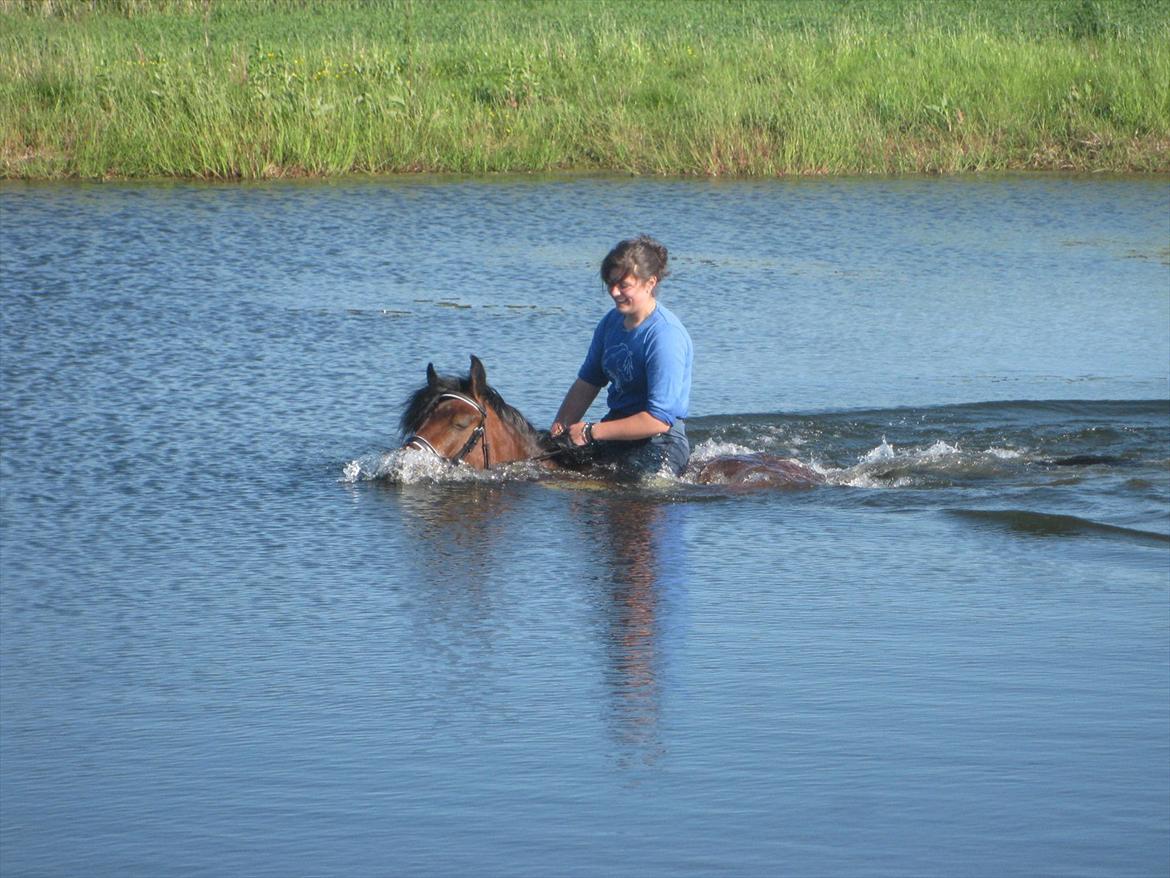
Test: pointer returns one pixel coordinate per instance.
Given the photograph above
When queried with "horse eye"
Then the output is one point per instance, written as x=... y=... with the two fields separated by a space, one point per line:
x=462 y=423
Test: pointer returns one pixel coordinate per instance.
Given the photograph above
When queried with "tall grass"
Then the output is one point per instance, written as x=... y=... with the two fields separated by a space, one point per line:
x=263 y=88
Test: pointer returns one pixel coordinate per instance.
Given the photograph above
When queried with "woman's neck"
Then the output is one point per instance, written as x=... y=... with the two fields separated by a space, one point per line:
x=633 y=321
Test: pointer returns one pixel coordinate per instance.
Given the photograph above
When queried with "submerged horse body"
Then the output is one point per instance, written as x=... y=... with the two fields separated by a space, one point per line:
x=464 y=420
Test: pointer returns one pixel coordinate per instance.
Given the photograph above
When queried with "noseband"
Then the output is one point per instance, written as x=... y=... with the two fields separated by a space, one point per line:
x=479 y=433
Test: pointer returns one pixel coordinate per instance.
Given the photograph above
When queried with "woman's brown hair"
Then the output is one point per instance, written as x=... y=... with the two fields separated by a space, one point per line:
x=642 y=257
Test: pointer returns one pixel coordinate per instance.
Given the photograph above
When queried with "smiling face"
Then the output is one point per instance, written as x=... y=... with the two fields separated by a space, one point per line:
x=633 y=297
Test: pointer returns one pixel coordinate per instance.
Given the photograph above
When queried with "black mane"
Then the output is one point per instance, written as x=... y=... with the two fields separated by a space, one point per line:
x=418 y=406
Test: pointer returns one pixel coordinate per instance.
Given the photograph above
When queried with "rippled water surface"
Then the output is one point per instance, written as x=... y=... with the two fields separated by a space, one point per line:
x=243 y=634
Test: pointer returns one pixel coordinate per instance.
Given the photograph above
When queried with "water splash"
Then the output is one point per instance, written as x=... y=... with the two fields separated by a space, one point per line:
x=937 y=463
x=709 y=449
x=410 y=466
x=1005 y=453
x=885 y=451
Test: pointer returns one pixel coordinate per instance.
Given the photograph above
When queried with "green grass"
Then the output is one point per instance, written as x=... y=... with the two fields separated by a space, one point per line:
x=268 y=88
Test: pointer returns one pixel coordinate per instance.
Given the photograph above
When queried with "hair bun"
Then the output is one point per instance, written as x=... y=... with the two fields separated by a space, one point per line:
x=643 y=256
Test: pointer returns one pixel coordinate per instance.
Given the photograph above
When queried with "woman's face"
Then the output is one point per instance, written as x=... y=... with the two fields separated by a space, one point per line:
x=633 y=297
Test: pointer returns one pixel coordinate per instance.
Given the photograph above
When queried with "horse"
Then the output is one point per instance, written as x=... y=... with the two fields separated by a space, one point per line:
x=466 y=421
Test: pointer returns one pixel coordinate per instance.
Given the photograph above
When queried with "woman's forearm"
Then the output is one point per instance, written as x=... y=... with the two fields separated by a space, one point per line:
x=576 y=403
x=642 y=425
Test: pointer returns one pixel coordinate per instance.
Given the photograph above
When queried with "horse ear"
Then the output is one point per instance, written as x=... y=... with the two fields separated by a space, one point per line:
x=478 y=376
x=432 y=378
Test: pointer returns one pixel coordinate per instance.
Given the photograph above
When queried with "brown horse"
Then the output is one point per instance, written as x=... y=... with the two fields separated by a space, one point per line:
x=464 y=420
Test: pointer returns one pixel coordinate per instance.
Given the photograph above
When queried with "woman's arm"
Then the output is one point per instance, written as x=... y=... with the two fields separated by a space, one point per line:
x=576 y=403
x=642 y=425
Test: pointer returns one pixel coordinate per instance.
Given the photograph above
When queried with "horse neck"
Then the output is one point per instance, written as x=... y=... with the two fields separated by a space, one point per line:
x=509 y=443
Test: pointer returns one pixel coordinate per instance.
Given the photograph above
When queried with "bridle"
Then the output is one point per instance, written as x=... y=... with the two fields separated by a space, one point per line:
x=478 y=434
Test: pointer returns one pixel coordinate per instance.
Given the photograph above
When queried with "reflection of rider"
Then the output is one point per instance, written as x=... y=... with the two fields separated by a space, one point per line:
x=643 y=562
x=645 y=354
x=632 y=614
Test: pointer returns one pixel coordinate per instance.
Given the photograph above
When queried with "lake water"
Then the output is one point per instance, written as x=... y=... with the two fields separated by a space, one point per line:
x=241 y=634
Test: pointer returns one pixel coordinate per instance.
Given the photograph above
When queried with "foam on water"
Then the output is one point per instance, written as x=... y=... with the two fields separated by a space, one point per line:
x=939 y=450
x=410 y=466
x=938 y=464
x=885 y=451
x=710 y=449
x=1004 y=453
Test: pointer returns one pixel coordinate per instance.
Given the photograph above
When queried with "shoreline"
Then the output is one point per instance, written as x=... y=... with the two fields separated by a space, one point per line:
x=570 y=176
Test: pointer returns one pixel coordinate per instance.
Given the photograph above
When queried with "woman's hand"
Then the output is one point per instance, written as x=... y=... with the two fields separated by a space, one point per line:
x=577 y=402
x=577 y=434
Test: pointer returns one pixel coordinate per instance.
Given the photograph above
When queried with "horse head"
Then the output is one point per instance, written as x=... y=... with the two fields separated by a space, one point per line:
x=463 y=420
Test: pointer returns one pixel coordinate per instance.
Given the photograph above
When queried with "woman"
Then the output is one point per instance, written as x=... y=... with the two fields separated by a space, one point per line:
x=644 y=353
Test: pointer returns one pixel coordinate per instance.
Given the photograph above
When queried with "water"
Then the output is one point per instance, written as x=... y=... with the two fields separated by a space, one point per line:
x=242 y=635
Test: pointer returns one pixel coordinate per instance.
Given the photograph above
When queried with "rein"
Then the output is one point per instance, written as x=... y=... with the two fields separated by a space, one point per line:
x=478 y=434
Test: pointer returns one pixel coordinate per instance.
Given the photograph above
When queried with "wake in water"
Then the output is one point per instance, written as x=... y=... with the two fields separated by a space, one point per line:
x=899 y=448
x=952 y=446
x=1096 y=467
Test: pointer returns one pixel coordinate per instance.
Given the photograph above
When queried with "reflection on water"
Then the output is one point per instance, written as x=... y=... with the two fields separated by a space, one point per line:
x=631 y=604
x=640 y=547
x=450 y=540
x=454 y=521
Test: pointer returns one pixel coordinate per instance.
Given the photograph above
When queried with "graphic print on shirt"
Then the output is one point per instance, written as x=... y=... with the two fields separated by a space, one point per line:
x=619 y=367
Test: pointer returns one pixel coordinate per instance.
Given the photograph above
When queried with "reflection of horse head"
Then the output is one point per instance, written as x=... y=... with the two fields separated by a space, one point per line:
x=459 y=512
x=454 y=530
x=466 y=420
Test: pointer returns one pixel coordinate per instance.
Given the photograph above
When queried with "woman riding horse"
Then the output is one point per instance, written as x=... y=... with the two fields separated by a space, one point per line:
x=644 y=353
x=466 y=421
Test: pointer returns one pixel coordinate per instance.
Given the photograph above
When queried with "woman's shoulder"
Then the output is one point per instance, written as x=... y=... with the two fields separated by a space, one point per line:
x=667 y=320
x=605 y=324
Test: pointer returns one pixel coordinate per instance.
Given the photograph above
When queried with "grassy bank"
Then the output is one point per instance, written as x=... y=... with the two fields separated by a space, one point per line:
x=264 y=88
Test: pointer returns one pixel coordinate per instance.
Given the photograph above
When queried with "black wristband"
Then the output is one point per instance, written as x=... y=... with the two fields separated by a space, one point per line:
x=587 y=432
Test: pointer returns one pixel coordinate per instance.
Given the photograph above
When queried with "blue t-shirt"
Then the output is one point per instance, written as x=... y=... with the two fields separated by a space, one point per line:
x=648 y=368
